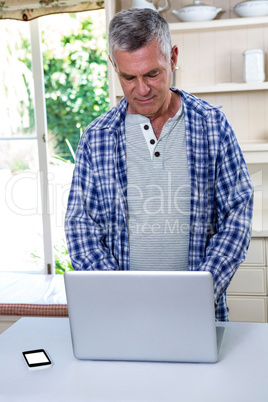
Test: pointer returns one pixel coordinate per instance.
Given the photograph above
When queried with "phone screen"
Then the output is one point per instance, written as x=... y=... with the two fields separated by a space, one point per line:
x=36 y=358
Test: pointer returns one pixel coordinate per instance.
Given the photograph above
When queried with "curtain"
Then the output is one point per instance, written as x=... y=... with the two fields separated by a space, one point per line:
x=26 y=10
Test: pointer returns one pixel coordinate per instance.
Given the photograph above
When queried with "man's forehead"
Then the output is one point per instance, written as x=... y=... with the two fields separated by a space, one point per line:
x=150 y=72
x=141 y=62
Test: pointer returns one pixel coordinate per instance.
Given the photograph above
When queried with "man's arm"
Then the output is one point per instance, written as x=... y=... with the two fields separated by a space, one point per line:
x=227 y=248
x=85 y=230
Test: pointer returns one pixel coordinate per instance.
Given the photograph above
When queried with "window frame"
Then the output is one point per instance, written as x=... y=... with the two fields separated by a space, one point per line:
x=41 y=138
x=41 y=133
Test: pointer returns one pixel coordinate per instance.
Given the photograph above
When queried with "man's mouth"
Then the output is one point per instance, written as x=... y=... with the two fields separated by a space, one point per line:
x=144 y=101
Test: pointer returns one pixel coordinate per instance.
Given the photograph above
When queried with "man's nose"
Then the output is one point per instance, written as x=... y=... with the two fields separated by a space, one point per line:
x=142 y=87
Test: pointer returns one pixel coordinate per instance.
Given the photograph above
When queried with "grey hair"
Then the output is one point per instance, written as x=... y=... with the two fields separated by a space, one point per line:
x=130 y=30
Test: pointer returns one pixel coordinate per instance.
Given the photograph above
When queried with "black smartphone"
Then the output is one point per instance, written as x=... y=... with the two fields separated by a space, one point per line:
x=37 y=359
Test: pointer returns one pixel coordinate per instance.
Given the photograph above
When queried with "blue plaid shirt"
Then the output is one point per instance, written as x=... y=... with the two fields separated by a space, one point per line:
x=221 y=196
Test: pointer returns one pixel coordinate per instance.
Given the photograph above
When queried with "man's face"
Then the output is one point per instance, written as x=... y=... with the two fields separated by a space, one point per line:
x=145 y=76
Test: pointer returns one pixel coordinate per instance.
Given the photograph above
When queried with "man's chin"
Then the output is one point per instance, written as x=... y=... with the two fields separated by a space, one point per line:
x=143 y=108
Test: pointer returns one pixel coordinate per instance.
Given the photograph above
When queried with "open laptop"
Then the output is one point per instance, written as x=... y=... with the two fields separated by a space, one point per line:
x=162 y=316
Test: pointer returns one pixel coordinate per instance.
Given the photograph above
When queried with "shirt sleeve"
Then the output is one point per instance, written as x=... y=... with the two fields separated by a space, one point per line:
x=233 y=205
x=84 y=229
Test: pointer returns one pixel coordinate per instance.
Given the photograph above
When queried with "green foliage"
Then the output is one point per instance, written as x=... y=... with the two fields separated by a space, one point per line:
x=18 y=165
x=62 y=259
x=26 y=106
x=76 y=86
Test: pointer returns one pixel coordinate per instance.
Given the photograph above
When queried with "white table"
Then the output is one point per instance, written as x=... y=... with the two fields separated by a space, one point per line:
x=240 y=375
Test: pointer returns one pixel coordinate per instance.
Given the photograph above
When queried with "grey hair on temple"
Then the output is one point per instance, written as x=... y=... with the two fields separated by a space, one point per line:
x=132 y=29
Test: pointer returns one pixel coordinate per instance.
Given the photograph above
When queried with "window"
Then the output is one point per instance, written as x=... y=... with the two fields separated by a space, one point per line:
x=40 y=129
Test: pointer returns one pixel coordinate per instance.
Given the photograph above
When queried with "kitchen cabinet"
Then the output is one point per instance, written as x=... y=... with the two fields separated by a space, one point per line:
x=247 y=295
x=210 y=66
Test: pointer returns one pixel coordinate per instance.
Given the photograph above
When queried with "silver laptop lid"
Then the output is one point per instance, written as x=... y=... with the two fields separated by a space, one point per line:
x=144 y=316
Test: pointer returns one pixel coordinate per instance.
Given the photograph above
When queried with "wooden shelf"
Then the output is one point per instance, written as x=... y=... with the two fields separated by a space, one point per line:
x=255 y=152
x=228 y=87
x=253 y=146
x=218 y=24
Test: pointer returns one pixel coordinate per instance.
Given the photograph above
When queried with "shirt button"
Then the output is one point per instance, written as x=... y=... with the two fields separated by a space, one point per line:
x=146 y=127
x=157 y=154
x=152 y=142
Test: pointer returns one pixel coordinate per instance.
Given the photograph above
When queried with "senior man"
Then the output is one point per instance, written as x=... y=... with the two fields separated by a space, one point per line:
x=160 y=182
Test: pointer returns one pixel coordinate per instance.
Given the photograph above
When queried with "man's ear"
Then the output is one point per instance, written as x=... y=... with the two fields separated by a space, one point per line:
x=174 y=57
x=112 y=63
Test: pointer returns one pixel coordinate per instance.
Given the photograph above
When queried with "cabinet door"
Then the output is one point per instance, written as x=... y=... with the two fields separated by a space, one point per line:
x=247 y=309
x=249 y=280
x=256 y=252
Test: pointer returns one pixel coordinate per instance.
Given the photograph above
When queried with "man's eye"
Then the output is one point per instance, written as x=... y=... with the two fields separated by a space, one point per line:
x=129 y=78
x=153 y=75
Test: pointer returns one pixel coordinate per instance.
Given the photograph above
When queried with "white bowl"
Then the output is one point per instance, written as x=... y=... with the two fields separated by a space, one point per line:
x=197 y=12
x=253 y=8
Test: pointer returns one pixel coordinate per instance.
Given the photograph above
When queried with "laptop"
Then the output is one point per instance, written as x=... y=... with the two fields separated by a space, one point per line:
x=164 y=316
